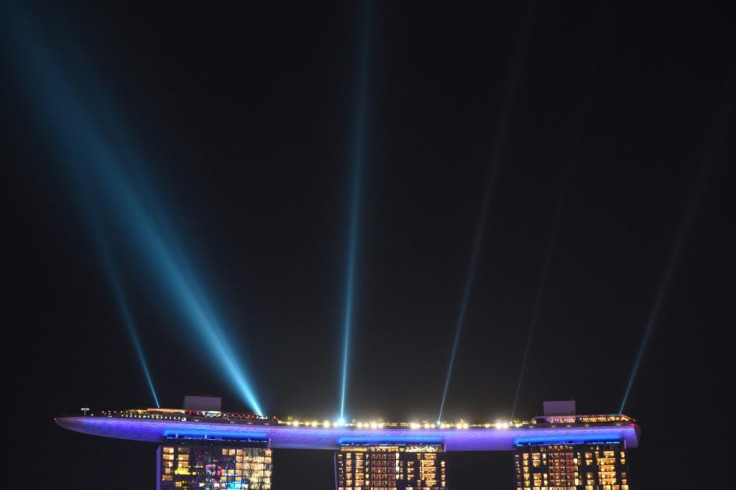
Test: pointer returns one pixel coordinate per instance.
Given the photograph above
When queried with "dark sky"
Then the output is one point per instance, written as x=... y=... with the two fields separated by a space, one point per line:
x=600 y=134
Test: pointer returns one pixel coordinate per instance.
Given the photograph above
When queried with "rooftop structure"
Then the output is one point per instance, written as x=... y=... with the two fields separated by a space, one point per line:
x=162 y=425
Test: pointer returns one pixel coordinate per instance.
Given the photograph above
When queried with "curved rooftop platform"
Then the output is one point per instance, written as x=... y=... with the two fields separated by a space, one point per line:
x=282 y=435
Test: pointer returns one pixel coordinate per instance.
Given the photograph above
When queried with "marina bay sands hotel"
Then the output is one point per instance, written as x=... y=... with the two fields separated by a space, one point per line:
x=200 y=446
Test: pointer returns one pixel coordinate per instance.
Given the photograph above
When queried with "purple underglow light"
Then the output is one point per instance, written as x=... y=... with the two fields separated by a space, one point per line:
x=287 y=437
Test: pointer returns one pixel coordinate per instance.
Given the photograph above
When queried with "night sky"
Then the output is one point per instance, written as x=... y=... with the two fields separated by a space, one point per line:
x=579 y=155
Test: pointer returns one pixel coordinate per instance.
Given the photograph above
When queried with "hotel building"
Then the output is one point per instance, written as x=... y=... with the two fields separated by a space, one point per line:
x=391 y=466
x=202 y=447
x=209 y=465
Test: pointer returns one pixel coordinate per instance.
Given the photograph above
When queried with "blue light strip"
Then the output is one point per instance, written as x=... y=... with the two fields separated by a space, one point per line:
x=216 y=435
x=603 y=438
x=378 y=440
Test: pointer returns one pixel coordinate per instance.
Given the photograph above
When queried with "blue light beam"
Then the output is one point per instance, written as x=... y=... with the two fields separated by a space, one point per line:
x=165 y=256
x=128 y=319
x=495 y=163
x=90 y=209
x=111 y=271
x=358 y=163
x=65 y=113
x=706 y=166
x=538 y=298
x=577 y=136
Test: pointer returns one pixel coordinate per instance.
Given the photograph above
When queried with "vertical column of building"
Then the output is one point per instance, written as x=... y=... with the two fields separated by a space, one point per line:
x=382 y=466
x=562 y=467
x=350 y=467
x=605 y=465
x=422 y=466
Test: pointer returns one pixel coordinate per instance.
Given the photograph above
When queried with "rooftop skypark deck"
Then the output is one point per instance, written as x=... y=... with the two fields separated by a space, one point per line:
x=160 y=425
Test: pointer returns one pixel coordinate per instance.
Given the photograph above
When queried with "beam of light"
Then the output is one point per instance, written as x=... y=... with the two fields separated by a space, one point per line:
x=683 y=230
x=132 y=330
x=358 y=158
x=66 y=114
x=495 y=163
x=661 y=293
x=103 y=249
x=538 y=299
x=102 y=246
x=127 y=316
x=577 y=135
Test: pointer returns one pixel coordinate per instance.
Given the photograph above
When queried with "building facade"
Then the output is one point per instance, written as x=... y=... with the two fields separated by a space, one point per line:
x=200 y=446
x=589 y=466
x=199 y=464
x=391 y=467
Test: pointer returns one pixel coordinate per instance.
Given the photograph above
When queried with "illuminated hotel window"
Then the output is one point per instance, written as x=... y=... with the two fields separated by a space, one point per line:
x=392 y=467
x=210 y=464
x=584 y=467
